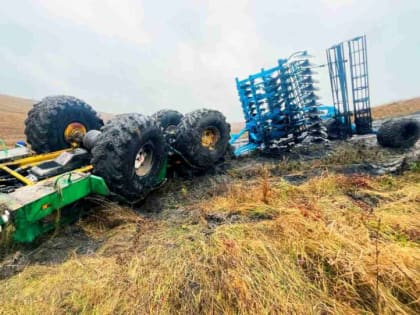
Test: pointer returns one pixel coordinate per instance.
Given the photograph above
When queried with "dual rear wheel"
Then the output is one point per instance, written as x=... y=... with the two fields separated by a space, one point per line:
x=129 y=154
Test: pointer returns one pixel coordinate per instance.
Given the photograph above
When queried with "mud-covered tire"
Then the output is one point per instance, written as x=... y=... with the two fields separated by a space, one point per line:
x=116 y=151
x=333 y=131
x=167 y=118
x=190 y=133
x=401 y=133
x=48 y=119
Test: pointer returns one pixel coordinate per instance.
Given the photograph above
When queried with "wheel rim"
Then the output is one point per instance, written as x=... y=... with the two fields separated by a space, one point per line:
x=144 y=160
x=171 y=129
x=74 y=132
x=209 y=137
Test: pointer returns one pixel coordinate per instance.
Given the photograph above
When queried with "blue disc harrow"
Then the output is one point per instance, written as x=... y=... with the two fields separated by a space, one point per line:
x=280 y=106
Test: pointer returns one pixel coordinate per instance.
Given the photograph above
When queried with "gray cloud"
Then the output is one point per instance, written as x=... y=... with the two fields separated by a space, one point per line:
x=142 y=56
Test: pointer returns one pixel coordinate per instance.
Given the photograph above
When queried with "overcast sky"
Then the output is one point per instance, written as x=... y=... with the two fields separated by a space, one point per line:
x=145 y=55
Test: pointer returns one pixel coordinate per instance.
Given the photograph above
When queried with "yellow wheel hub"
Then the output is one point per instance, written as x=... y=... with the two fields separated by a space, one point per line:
x=74 y=132
x=209 y=137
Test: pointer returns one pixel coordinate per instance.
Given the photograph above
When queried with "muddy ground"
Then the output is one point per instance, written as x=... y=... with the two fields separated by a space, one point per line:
x=359 y=155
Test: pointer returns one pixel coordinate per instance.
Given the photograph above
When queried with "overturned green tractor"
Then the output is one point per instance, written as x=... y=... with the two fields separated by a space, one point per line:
x=74 y=154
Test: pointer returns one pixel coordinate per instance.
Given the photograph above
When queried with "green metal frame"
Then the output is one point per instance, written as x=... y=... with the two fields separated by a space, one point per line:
x=36 y=208
x=162 y=172
x=67 y=188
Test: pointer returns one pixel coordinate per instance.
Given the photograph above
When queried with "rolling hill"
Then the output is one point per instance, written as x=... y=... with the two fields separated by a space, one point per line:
x=13 y=114
x=14 y=109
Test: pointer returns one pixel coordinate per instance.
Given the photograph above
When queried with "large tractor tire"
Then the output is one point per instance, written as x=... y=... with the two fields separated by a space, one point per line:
x=168 y=118
x=203 y=137
x=401 y=133
x=58 y=121
x=129 y=154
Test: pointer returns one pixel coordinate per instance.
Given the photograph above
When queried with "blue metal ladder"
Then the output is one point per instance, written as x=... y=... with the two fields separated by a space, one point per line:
x=360 y=84
x=351 y=58
x=338 y=80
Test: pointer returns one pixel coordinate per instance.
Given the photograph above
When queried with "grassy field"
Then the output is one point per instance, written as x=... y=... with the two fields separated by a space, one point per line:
x=268 y=236
x=247 y=242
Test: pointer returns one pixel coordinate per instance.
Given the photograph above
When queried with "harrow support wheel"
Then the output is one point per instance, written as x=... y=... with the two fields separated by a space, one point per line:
x=399 y=133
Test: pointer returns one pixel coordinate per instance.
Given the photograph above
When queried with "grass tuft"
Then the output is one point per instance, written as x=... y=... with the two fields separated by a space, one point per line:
x=257 y=246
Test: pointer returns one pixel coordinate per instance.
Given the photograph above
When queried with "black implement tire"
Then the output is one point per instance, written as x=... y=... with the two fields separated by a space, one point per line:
x=167 y=118
x=333 y=131
x=48 y=119
x=190 y=133
x=401 y=133
x=116 y=153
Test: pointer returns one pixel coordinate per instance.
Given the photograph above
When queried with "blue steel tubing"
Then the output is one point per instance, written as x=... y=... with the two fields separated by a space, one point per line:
x=274 y=102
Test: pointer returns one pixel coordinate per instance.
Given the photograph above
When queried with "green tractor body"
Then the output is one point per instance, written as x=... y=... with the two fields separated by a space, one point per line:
x=71 y=159
x=29 y=205
x=35 y=208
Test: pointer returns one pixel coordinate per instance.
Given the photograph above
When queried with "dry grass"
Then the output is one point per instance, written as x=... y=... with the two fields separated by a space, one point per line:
x=13 y=113
x=274 y=248
x=399 y=108
x=253 y=244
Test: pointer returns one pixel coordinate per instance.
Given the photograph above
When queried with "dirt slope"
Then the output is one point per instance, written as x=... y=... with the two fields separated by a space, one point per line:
x=13 y=113
x=399 y=108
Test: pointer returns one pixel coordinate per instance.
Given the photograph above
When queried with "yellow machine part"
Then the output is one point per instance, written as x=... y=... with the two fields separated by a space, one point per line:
x=35 y=160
